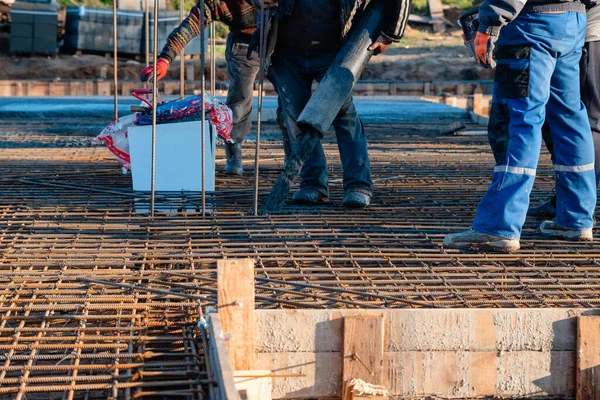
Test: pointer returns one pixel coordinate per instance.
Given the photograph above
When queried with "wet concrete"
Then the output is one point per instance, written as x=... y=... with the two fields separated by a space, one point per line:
x=377 y=110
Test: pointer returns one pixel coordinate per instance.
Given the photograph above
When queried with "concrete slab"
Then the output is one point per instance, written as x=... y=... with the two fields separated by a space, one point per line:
x=379 y=110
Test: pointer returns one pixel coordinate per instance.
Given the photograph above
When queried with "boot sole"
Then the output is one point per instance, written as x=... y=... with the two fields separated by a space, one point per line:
x=355 y=205
x=573 y=237
x=497 y=246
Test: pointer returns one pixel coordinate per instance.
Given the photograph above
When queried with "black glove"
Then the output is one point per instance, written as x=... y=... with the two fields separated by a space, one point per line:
x=254 y=45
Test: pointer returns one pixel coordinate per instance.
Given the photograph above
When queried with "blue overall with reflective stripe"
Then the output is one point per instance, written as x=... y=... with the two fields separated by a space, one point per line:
x=537 y=78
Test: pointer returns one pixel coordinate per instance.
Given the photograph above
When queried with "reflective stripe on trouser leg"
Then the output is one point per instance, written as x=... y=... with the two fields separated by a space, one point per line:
x=526 y=63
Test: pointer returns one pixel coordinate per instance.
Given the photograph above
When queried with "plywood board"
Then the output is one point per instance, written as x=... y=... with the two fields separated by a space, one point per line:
x=235 y=286
x=588 y=358
x=254 y=385
x=363 y=349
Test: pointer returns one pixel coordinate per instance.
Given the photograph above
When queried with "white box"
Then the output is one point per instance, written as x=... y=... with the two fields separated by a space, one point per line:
x=178 y=157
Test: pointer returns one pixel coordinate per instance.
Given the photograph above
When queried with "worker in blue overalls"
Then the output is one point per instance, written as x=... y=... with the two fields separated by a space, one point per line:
x=537 y=46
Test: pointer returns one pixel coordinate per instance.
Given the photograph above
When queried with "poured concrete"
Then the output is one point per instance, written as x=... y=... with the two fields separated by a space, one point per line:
x=371 y=109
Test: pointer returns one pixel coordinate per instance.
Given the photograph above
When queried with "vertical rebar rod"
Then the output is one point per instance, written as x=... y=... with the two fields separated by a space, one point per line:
x=154 y=104
x=181 y=58
x=147 y=31
x=202 y=93
x=115 y=60
x=261 y=78
x=213 y=60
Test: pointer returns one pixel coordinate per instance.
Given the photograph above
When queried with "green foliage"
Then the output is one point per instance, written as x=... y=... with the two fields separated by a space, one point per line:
x=90 y=3
x=421 y=7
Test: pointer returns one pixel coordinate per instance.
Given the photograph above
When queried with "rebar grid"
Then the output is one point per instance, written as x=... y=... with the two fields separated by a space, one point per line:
x=94 y=343
x=97 y=300
x=69 y=214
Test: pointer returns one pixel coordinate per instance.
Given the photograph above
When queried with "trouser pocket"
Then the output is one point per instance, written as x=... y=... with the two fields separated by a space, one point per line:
x=513 y=71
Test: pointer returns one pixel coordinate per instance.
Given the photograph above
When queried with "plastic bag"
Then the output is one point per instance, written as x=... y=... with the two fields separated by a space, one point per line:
x=116 y=139
x=190 y=109
x=115 y=135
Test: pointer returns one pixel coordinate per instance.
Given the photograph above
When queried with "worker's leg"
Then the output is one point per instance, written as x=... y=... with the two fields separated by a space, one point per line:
x=498 y=129
x=571 y=135
x=525 y=66
x=294 y=84
x=285 y=136
x=351 y=137
x=590 y=94
x=242 y=74
x=352 y=145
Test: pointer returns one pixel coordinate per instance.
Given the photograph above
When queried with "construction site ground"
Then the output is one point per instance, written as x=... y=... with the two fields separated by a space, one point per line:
x=97 y=299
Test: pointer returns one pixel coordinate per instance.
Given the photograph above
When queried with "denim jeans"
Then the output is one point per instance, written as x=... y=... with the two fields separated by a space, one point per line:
x=538 y=67
x=293 y=73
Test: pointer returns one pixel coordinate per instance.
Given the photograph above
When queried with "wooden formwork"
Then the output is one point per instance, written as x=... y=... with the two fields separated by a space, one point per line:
x=101 y=87
x=424 y=353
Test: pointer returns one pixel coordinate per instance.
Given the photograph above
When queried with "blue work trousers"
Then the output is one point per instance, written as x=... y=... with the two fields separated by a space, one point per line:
x=293 y=73
x=537 y=80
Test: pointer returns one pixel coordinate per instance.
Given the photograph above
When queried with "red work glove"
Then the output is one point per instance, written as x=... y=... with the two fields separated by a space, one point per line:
x=380 y=45
x=162 y=65
x=484 y=49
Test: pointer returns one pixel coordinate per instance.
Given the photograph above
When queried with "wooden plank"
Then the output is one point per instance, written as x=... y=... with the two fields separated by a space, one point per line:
x=254 y=385
x=220 y=362
x=436 y=10
x=307 y=375
x=363 y=349
x=235 y=286
x=417 y=374
x=588 y=358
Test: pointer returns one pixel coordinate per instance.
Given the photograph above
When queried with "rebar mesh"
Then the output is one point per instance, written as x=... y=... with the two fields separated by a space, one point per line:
x=97 y=300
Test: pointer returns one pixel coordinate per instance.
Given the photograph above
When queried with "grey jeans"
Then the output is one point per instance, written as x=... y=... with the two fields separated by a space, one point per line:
x=242 y=73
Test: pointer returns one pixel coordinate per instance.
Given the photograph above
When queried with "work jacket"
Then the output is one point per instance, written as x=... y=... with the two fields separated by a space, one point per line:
x=494 y=14
x=239 y=15
x=396 y=16
x=593 y=24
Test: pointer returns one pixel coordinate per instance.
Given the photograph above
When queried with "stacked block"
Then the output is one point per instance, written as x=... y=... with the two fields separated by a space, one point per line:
x=91 y=29
x=34 y=27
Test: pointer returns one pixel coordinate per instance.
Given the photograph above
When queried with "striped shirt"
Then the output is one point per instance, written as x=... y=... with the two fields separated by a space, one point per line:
x=239 y=15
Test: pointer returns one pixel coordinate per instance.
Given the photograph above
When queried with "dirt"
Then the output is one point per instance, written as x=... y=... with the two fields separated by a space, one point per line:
x=420 y=56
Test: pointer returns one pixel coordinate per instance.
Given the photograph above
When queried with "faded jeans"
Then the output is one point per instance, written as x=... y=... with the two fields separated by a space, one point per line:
x=293 y=74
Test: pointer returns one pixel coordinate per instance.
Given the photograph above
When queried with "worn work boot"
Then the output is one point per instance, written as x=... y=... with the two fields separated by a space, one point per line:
x=475 y=240
x=356 y=199
x=546 y=209
x=309 y=196
x=233 y=166
x=552 y=229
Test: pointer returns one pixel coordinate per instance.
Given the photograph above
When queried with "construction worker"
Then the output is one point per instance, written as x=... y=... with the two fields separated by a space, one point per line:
x=590 y=95
x=309 y=37
x=537 y=45
x=240 y=16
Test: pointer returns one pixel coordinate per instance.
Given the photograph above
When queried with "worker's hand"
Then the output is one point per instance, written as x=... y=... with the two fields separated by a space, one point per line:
x=162 y=65
x=484 y=49
x=381 y=45
x=266 y=3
